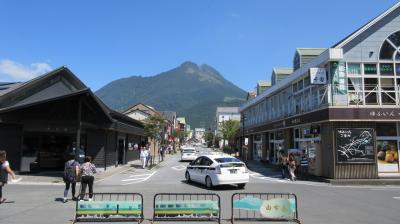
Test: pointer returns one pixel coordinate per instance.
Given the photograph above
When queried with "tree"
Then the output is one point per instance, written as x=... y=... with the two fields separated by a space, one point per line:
x=229 y=130
x=154 y=126
x=209 y=137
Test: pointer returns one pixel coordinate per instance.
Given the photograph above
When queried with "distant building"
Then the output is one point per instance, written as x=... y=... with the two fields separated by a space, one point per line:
x=225 y=114
x=262 y=85
x=170 y=117
x=251 y=95
x=199 y=134
x=140 y=111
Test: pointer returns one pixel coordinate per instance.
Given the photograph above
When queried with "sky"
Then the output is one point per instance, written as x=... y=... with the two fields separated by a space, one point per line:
x=101 y=41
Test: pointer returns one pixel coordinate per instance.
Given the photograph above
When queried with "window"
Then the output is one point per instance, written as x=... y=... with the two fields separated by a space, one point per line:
x=370 y=69
x=390 y=48
x=386 y=69
x=353 y=69
x=370 y=83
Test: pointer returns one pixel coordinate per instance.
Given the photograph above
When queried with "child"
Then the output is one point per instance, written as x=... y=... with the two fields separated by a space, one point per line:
x=5 y=170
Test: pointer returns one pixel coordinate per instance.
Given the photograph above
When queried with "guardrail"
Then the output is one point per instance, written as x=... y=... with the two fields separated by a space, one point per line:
x=110 y=207
x=186 y=207
x=264 y=207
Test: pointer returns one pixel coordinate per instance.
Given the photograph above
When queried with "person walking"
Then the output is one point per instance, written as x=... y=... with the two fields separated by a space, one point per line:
x=283 y=161
x=143 y=156
x=292 y=167
x=70 y=177
x=304 y=165
x=5 y=170
x=148 y=158
x=88 y=169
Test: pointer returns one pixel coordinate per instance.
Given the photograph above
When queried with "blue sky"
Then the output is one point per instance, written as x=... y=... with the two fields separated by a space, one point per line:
x=101 y=41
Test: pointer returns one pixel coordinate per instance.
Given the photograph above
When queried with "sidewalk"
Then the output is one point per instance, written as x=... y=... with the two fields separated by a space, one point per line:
x=269 y=170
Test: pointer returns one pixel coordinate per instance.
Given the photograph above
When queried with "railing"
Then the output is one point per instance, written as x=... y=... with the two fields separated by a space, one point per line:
x=264 y=207
x=110 y=207
x=186 y=207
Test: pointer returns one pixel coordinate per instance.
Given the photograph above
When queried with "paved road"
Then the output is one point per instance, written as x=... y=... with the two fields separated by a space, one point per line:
x=318 y=202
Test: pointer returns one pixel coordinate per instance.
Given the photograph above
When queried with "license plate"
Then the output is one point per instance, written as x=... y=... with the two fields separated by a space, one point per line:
x=233 y=171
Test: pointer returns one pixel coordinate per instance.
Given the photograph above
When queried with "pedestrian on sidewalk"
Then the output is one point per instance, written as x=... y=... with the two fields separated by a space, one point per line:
x=304 y=165
x=283 y=161
x=148 y=158
x=70 y=177
x=5 y=170
x=162 y=152
x=143 y=156
x=88 y=169
x=292 y=167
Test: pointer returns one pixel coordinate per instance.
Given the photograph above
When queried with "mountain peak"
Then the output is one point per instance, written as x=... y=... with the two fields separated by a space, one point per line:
x=189 y=64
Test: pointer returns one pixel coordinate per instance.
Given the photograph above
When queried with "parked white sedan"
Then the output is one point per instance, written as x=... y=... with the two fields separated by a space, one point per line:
x=188 y=154
x=213 y=170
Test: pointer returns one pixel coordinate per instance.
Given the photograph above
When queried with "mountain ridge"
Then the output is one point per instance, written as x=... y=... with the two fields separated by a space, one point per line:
x=180 y=89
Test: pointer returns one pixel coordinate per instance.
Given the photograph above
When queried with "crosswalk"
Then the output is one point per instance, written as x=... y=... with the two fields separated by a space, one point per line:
x=137 y=178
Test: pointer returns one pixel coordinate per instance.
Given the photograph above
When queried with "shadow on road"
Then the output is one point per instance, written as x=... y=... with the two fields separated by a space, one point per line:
x=215 y=188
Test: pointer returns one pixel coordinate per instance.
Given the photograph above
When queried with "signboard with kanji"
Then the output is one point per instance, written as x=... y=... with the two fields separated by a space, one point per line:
x=355 y=145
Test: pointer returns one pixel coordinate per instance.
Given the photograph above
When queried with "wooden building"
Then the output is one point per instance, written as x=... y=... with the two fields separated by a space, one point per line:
x=45 y=119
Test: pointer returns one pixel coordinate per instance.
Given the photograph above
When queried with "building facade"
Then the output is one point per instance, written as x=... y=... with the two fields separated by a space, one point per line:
x=199 y=134
x=341 y=108
x=225 y=114
x=45 y=120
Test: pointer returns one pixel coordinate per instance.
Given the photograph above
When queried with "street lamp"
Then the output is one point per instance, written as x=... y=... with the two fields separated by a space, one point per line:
x=243 y=140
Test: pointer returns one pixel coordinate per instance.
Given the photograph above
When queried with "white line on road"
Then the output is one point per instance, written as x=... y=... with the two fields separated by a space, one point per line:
x=138 y=180
x=397 y=198
x=179 y=168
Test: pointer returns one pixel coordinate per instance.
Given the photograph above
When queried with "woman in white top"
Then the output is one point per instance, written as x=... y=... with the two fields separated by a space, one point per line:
x=4 y=171
x=143 y=156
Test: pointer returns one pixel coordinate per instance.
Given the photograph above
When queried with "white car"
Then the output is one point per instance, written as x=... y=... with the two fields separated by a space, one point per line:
x=188 y=154
x=213 y=170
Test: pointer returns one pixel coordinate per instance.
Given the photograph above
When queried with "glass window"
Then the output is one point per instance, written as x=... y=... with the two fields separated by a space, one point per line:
x=387 y=51
x=370 y=83
x=300 y=85
x=388 y=98
x=395 y=38
x=386 y=129
x=355 y=98
x=353 y=69
x=306 y=82
x=370 y=69
x=355 y=84
x=386 y=69
x=387 y=84
x=371 y=98
x=296 y=133
x=294 y=87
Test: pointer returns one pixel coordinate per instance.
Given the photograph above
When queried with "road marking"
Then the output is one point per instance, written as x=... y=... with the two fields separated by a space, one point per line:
x=179 y=168
x=141 y=178
x=397 y=198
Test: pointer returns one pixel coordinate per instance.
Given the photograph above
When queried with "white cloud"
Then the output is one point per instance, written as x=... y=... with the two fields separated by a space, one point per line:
x=14 y=71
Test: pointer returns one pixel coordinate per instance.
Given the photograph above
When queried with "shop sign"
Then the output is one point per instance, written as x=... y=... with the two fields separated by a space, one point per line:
x=380 y=113
x=318 y=76
x=355 y=145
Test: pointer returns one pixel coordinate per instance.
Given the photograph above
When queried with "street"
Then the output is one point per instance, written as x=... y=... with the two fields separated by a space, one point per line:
x=317 y=202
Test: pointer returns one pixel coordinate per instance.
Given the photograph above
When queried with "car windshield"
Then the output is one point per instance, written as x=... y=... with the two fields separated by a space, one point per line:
x=227 y=160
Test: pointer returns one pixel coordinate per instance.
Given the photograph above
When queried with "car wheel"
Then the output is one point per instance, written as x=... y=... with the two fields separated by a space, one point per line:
x=187 y=177
x=209 y=184
x=241 y=186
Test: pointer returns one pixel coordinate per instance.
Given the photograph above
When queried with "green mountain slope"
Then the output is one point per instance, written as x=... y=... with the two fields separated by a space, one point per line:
x=191 y=90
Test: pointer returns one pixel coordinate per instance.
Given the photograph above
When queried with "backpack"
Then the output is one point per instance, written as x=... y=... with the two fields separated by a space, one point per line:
x=70 y=172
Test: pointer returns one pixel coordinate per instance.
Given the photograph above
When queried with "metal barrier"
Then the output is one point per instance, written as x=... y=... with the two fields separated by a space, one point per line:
x=264 y=207
x=187 y=207
x=110 y=207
